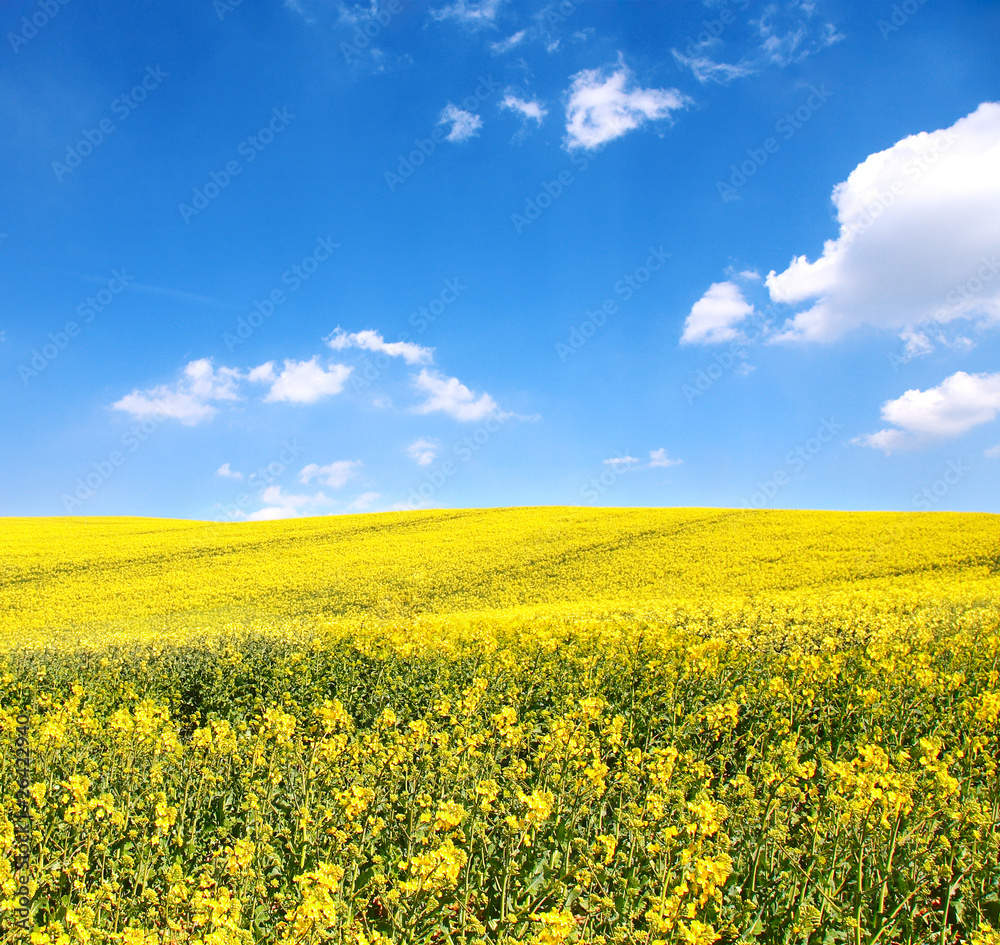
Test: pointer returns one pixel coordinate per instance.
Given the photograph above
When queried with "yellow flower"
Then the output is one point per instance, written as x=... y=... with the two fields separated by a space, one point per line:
x=557 y=926
x=437 y=869
x=698 y=933
x=449 y=816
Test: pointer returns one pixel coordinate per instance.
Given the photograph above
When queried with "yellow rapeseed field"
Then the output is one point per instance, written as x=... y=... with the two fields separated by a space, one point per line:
x=524 y=725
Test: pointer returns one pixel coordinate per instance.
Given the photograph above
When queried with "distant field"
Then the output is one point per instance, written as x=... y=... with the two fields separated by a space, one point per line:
x=553 y=726
x=151 y=575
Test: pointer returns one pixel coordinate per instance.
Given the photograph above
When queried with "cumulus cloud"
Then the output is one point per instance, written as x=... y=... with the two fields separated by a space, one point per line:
x=301 y=382
x=603 y=105
x=526 y=109
x=335 y=475
x=956 y=405
x=423 y=451
x=659 y=458
x=369 y=340
x=464 y=125
x=228 y=473
x=715 y=316
x=190 y=399
x=918 y=242
x=450 y=396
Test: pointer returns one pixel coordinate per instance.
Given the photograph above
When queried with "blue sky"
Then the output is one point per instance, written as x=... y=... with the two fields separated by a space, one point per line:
x=301 y=257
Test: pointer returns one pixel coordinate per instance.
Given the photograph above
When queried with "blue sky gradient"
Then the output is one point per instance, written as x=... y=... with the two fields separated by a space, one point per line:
x=274 y=258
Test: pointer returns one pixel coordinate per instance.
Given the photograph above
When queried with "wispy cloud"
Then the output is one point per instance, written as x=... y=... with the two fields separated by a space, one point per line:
x=464 y=125
x=468 y=12
x=370 y=340
x=335 y=475
x=532 y=109
x=706 y=69
x=179 y=294
x=363 y=502
x=783 y=34
x=506 y=45
x=657 y=459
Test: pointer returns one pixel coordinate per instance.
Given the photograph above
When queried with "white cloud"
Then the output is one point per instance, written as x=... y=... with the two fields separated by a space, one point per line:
x=783 y=43
x=659 y=458
x=275 y=495
x=271 y=513
x=224 y=470
x=262 y=374
x=532 y=109
x=993 y=452
x=281 y=504
x=600 y=108
x=369 y=340
x=916 y=343
x=706 y=69
x=506 y=45
x=296 y=6
x=356 y=12
x=301 y=382
x=918 y=242
x=464 y=125
x=469 y=13
x=189 y=399
x=956 y=405
x=714 y=317
x=423 y=451
x=784 y=33
x=450 y=396
x=363 y=502
x=335 y=475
